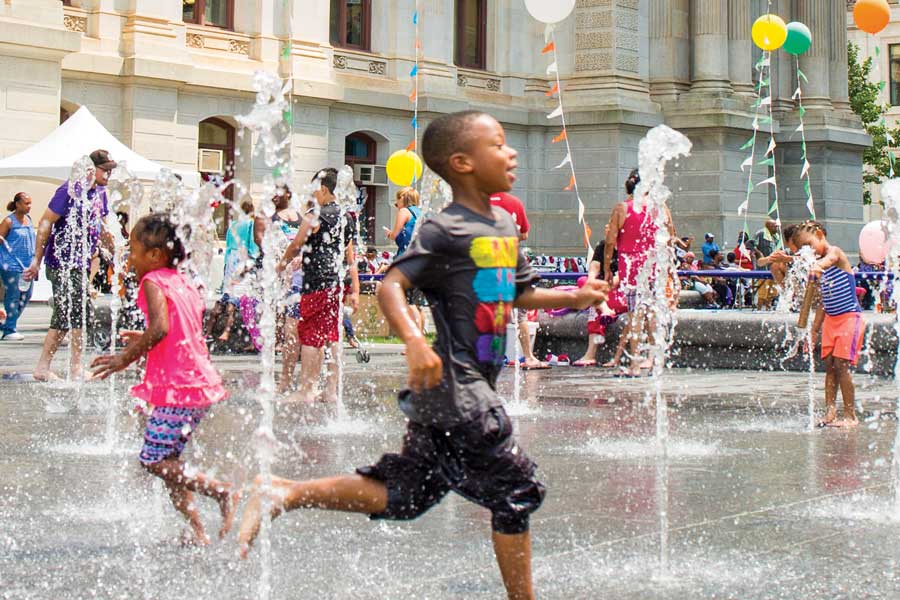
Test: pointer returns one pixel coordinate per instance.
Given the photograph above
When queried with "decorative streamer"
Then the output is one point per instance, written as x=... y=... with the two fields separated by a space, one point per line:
x=744 y=208
x=801 y=110
x=556 y=90
x=889 y=140
x=414 y=95
x=769 y=160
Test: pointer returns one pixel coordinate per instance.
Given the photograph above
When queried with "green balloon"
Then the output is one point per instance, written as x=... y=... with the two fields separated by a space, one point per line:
x=799 y=38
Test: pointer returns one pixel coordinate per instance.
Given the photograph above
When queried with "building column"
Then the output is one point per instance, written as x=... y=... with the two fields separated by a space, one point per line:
x=709 y=28
x=840 y=95
x=670 y=71
x=740 y=61
x=816 y=62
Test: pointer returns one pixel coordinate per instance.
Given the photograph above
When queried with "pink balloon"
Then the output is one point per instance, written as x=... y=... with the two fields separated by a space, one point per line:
x=873 y=246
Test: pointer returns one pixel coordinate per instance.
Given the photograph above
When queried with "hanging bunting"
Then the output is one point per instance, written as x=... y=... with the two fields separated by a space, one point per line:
x=414 y=75
x=801 y=129
x=750 y=144
x=556 y=89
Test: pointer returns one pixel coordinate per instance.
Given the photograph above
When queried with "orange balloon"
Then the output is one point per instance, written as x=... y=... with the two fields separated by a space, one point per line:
x=872 y=15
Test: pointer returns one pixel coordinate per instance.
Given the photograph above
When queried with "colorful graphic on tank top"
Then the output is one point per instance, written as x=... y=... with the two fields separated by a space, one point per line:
x=495 y=287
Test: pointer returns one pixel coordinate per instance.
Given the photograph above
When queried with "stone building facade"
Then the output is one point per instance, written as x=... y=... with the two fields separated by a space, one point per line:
x=166 y=77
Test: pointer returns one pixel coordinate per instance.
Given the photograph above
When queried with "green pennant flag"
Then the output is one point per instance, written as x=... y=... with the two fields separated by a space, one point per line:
x=801 y=75
x=749 y=143
x=773 y=208
x=750 y=186
x=766 y=120
x=761 y=61
x=802 y=110
x=289 y=117
x=881 y=86
x=877 y=50
x=286 y=53
x=806 y=187
x=769 y=162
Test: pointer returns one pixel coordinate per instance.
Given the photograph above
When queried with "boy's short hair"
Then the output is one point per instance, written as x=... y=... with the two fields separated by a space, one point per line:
x=731 y=256
x=445 y=136
x=327 y=177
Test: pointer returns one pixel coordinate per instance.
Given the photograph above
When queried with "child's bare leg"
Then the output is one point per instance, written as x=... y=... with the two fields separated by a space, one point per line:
x=172 y=472
x=183 y=501
x=331 y=374
x=76 y=349
x=213 y=318
x=310 y=369
x=848 y=392
x=831 y=387
x=347 y=493
x=290 y=352
x=620 y=347
x=591 y=351
x=52 y=340
x=514 y=558
x=229 y=322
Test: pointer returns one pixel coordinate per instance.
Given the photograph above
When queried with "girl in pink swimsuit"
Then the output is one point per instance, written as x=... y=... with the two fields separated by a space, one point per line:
x=180 y=383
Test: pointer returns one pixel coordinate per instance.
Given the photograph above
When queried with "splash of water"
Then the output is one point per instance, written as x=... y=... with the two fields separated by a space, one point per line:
x=791 y=296
x=345 y=191
x=890 y=193
x=657 y=296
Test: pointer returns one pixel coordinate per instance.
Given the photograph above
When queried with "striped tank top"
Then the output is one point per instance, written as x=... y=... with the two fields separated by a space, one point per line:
x=838 y=289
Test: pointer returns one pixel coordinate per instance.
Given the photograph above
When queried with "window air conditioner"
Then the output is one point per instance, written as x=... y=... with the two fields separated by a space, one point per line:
x=370 y=174
x=211 y=161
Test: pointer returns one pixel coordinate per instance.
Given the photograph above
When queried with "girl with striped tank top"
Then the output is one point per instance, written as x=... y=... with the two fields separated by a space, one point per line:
x=838 y=318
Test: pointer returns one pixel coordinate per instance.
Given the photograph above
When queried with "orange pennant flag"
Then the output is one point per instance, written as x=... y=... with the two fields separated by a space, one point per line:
x=549 y=48
x=587 y=235
x=418 y=45
x=553 y=90
x=411 y=147
x=571 y=185
x=561 y=137
x=414 y=95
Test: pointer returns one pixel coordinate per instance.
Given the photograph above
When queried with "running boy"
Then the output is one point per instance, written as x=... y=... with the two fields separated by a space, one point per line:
x=468 y=263
x=838 y=318
x=326 y=239
x=180 y=383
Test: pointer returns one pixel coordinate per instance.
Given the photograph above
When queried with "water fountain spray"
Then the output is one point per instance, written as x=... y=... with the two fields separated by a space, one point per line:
x=657 y=295
x=890 y=193
x=345 y=191
x=76 y=238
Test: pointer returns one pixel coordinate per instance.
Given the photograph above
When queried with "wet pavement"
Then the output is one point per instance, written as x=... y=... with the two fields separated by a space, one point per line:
x=757 y=507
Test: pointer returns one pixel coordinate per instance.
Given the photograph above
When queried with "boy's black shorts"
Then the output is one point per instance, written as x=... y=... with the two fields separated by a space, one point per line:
x=479 y=460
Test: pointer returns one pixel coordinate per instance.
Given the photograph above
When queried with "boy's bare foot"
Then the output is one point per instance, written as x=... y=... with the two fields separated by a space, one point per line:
x=228 y=507
x=252 y=517
x=830 y=417
x=45 y=376
x=194 y=537
x=226 y=335
x=610 y=364
x=844 y=423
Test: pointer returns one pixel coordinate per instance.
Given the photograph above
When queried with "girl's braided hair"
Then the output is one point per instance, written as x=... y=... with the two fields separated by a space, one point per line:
x=157 y=230
x=809 y=226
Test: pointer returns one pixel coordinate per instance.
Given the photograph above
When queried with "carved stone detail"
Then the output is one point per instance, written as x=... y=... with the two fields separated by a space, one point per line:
x=340 y=62
x=493 y=85
x=377 y=68
x=462 y=81
x=76 y=24
x=239 y=47
x=193 y=40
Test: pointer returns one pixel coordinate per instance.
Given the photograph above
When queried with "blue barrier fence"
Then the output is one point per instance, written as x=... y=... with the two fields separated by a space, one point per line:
x=720 y=274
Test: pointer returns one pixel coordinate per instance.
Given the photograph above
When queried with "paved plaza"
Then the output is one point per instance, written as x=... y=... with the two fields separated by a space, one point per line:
x=757 y=507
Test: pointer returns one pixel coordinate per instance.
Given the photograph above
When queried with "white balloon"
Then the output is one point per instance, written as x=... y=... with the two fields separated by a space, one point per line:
x=550 y=11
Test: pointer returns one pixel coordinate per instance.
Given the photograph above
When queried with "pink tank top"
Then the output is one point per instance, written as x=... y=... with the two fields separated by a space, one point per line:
x=638 y=231
x=179 y=372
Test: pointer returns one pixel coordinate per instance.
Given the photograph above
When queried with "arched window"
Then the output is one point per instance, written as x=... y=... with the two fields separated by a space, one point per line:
x=351 y=24
x=360 y=149
x=214 y=13
x=471 y=32
x=216 y=162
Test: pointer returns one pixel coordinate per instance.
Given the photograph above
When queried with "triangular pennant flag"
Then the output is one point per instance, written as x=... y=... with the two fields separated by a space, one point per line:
x=561 y=137
x=769 y=162
x=802 y=111
x=415 y=122
x=549 y=48
x=811 y=207
x=750 y=186
x=771 y=148
x=797 y=94
x=805 y=170
x=889 y=138
x=418 y=44
x=553 y=68
x=799 y=128
x=558 y=111
x=769 y=181
x=743 y=207
x=747 y=163
x=763 y=62
x=580 y=209
x=801 y=75
x=571 y=185
x=411 y=147
x=416 y=18
x=756 y=123
x=749 y=143
x=414 y=71
x=766 y=120
x=414 y=95
x=587 y=235
x=767 y=101
x=553 y=90
x=773 y=209
x=882 y=85
x=566 y=161
x=806 y=187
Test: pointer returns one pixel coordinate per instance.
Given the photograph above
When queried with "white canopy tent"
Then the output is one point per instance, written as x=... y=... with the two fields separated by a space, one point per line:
x=81 y=134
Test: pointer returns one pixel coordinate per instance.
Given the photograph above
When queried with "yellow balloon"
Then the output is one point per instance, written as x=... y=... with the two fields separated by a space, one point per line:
x=404 y=168
x=769 y=32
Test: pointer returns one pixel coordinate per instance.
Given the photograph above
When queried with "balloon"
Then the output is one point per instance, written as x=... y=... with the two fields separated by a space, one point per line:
x=872 y=15
x=404 y=168
x=873 y=244
x=799 y=38
x=550 y=11
x=769 y=32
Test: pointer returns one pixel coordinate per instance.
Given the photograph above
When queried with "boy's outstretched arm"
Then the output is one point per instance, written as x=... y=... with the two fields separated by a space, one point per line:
x=425 y=368
x=593 y=293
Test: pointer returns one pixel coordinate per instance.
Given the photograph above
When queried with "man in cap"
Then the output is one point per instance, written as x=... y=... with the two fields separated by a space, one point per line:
x=709 y=248
x=68 y=236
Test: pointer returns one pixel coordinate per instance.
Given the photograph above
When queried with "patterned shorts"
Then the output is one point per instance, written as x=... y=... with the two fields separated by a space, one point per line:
x=168 y=431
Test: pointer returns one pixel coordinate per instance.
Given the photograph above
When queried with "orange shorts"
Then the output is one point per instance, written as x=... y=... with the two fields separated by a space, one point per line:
x=842 y=336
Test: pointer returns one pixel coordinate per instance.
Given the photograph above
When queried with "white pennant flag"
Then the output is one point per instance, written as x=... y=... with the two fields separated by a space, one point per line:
x=566 y=161
x=771 y=147
x=811 y=206
x=765 y=62
x=555 y=113
x=766 y=101
x=580 y=211
x=548 y=31
x=747 y=163
x=799 y=128
x=743 y=207
x=769 y=181
x=553 y=68
x=889 y=138
x=797 y=94
x=805 y=169
x=756 y=123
